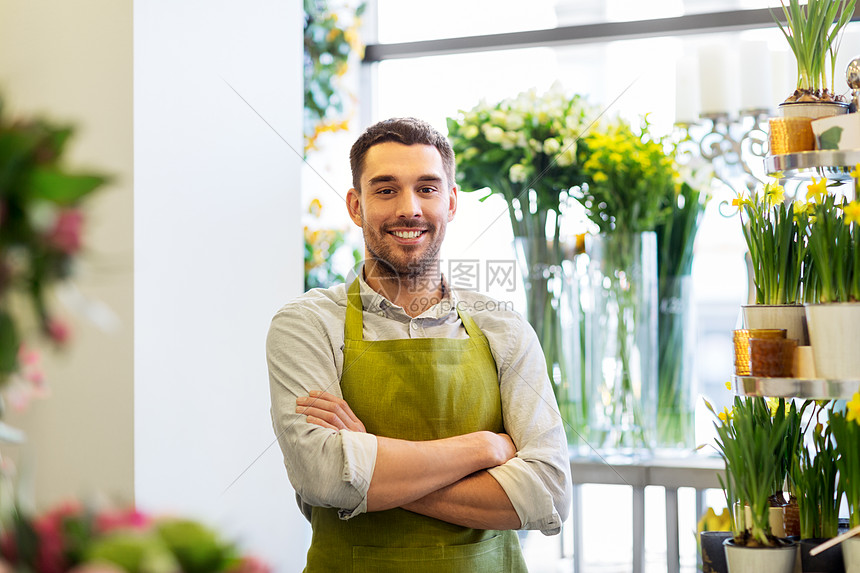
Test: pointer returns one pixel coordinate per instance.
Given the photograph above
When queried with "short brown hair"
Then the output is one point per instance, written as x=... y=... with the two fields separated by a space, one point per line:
x=405 y=130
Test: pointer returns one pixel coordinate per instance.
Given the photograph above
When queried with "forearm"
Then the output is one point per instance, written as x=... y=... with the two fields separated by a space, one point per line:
x=406 y=471
x=476 y=501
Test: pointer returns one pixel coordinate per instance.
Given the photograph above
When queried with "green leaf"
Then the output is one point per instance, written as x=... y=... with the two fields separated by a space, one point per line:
x=62 y=188
x=8 y=345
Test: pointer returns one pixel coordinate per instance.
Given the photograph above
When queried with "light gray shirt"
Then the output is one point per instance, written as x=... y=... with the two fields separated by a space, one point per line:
x=328 y=468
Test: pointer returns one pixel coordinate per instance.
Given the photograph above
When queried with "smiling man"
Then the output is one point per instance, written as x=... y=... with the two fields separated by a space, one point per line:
x=417 y=423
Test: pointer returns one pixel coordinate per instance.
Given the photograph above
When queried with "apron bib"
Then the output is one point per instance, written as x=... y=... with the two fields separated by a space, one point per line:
x=414 y=389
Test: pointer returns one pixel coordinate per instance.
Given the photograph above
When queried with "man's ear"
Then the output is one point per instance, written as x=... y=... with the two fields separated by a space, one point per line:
x=452 y=202
x=353 y=205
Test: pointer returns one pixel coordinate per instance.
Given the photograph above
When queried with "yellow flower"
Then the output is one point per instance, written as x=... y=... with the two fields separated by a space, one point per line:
x=854 y=409
x=816 y=190
x=852 y=212
x=855 y=173
x=725 y=415
x=774 y=194
x=728 y=384
x=773 y=404
x=315 y=208
x=600 y=177
x=713 y=522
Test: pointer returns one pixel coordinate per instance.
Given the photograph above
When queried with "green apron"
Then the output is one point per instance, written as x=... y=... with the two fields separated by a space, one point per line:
x=414 y=389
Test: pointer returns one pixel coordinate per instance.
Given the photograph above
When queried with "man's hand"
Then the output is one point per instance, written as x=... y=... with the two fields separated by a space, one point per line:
x=328 y=411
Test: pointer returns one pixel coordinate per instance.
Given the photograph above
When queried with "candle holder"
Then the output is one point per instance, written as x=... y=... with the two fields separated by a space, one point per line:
x=734 y=146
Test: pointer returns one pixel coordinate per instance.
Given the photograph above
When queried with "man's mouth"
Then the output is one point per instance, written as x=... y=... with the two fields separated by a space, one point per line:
x=408 y=234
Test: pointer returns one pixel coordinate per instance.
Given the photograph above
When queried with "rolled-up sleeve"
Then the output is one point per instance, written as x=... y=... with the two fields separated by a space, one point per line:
x=327 y=468
x=537 y=480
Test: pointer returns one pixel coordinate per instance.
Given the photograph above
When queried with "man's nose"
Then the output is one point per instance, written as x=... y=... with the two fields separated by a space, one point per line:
x=409 y=204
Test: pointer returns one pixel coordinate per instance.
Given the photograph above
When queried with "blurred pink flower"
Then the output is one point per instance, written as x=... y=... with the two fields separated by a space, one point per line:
x=58 y=330
x=250 y=564
x=66 y=234
x=131 y=518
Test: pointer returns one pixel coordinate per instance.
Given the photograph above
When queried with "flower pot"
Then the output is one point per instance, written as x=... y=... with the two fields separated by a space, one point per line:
x=828 y=560
x=790 y=135
x=791 y=317
x=834 y=329
x=837 y=132
x=812 y=110
x=760 y=559
x=776 y=518
x=851 y=554
x=713 y=554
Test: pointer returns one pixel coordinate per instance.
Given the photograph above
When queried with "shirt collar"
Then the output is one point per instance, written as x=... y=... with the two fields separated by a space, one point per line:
x=372 y=301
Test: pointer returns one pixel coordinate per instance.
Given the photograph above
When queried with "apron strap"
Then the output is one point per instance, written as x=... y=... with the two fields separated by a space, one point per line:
x=354 y=327
x=472 y=329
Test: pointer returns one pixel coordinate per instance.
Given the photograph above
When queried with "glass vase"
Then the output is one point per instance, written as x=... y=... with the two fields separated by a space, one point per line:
x=552 y=308
x=620 y=328
x=676 y=385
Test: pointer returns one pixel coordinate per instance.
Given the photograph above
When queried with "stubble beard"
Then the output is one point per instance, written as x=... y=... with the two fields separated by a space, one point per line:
x=387 y=263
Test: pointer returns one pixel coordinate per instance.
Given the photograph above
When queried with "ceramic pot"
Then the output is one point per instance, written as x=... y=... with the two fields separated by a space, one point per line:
x=791 y=317
x=713 y=554
x=812 y=110
x=760 y=559
x=828 y=560
x=851 y=554
x=834 y=329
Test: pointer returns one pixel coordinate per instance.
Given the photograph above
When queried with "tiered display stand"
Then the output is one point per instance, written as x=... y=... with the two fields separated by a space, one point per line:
x=835 y=166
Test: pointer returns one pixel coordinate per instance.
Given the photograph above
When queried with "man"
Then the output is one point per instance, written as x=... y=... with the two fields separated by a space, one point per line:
x=417 y=423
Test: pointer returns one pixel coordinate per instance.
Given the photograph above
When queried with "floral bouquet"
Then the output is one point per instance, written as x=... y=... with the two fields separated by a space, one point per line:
x=633 y=189
x=41 y=227
x=525 y=149
x=76 y=539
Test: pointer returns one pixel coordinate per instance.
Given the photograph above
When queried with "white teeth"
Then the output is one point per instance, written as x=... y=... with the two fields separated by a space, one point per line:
x=406 y=234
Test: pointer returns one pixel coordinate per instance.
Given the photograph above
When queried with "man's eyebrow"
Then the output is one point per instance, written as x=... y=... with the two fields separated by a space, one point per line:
x=382 y=179
x=391 y=178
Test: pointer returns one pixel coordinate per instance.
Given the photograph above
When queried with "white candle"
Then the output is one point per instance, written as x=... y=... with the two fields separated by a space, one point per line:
x=783 y=75
x=687 y=90
x=755 y=76
x=713 y=79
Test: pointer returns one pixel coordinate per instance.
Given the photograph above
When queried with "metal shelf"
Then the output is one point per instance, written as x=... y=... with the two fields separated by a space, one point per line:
x=810 y=388
x=833 y=164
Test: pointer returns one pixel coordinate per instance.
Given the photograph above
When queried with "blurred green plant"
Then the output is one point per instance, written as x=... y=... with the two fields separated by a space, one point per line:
x=321 y=249
x=331 y=38
x=71 y=536
x=41 y=235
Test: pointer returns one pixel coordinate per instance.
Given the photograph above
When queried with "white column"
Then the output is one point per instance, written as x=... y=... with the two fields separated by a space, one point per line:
x=217 y=251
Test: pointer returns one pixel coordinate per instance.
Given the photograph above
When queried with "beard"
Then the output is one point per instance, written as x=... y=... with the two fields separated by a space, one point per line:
x=396 y=261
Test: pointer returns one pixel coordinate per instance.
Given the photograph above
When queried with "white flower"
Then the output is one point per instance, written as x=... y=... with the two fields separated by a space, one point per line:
x=498 y=117
x=492 y=133
x=514 y=121
x=471 y=131
x=517 y=173
x=535 y=145
x=551 y=146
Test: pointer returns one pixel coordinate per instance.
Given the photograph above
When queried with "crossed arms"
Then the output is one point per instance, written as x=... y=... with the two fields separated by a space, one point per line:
x=444 y=479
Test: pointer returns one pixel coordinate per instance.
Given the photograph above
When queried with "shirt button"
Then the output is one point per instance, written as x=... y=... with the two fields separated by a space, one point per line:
x=381 y=313
x=414 y=325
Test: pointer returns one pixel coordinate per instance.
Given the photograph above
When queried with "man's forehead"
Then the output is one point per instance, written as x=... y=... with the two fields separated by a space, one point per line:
x=392 y=158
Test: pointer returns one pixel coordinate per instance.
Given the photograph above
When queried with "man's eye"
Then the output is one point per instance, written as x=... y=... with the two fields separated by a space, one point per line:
x=427 y=190
x=385 y=191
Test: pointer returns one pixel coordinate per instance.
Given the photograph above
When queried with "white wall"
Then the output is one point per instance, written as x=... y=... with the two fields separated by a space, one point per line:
x=71 y=62
x=217 y=251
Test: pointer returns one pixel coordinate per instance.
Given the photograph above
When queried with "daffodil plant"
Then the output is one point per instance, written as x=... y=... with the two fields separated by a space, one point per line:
x=755 y=440
x=776 y=236
x=834 y=245
x=814 y=481
x=813 y=31
x=846 y=432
